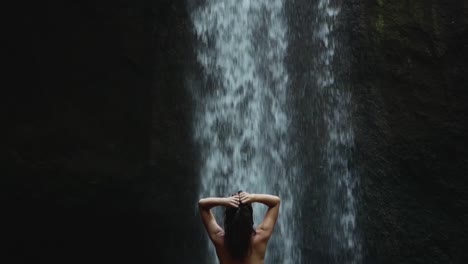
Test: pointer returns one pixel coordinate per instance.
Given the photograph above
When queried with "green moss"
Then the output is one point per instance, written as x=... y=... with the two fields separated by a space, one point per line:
x=436 y=21
x=380 y=24
x=394 y=23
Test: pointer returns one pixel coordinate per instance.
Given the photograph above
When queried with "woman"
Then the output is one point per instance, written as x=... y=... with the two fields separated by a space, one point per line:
x=240 y=242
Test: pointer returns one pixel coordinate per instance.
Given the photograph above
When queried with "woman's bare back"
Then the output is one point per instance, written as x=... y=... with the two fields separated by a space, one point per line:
x=259 y=237
x=257 y=253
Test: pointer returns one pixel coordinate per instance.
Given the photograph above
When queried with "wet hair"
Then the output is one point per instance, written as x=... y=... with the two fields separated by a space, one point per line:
x=238 y=229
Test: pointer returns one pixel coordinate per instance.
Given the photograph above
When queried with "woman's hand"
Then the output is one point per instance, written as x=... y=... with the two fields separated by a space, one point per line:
x=247 y=198
x=232 y=201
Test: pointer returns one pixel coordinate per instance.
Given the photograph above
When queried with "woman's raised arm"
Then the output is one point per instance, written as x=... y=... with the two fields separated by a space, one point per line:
x=211 y=226
x=273 y=203
x=210 y=202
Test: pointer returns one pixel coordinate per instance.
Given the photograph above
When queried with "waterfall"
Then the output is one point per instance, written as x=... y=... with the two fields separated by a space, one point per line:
x=241 y=118
x=244 y=128
x=335 y=100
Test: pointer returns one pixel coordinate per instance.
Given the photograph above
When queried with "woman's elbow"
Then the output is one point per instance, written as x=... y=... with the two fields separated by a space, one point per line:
x=201 y=203
x=277 y=199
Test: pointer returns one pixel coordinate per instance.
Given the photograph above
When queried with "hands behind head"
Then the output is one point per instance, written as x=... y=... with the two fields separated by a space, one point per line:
x=239 y=198
x=232 y=201
x=246 y=198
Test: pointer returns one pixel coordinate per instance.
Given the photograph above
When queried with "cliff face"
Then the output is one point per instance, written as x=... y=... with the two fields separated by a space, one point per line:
x=98 y=139
x=171 y=192
x=411 y=79
x=77 y=107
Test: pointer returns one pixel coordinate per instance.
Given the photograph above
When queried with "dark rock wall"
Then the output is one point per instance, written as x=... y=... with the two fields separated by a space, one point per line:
x=172 y=192
x=98 y=144
x=76 y=149
x=410 y=71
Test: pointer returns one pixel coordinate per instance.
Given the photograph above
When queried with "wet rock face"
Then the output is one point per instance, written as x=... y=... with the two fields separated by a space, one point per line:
x=98 y=145
x=77 y=107
x=410 y=74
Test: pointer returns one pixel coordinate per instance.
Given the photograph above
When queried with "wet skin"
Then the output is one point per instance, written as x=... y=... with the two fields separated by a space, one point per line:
x=257 y=250
x=259 y=240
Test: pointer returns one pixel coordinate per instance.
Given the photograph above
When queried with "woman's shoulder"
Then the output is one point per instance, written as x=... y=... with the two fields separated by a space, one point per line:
x=260 y=235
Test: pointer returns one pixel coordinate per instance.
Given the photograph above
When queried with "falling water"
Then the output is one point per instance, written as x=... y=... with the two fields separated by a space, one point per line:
x=241 y=122
x=339 y=221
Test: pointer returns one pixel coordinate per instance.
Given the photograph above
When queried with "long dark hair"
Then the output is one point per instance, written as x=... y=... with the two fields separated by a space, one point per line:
x=238 y=229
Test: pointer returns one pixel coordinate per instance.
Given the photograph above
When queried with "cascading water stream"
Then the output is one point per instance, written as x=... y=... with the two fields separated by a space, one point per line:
x=339 y=221
x=241 y=123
